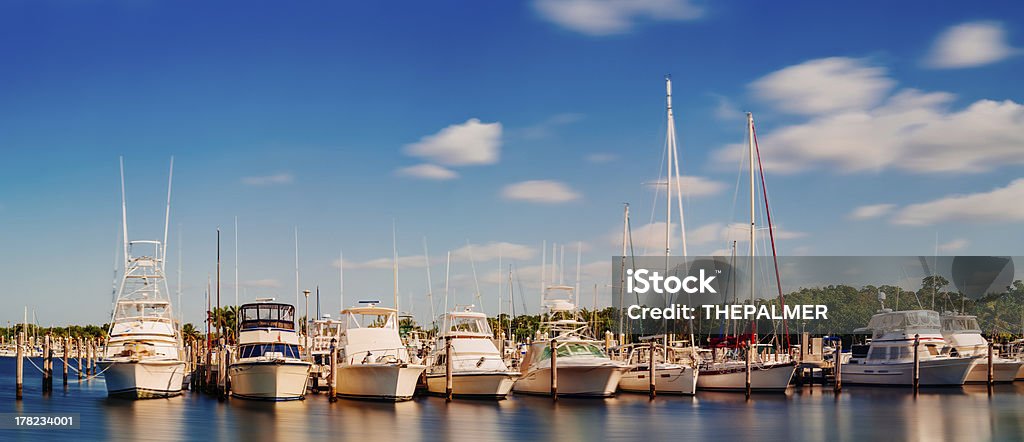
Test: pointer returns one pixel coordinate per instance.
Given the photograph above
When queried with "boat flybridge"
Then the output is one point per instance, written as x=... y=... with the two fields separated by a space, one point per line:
x=478 y=369
x=582 y=366
x=268 y=365
x=142 y=357
x=964 y=335
x=890 y=356
x=374 y=363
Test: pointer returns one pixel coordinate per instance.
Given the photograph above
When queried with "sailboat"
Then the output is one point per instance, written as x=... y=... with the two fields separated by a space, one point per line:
x=478 y=369
x=582 y=365
x=964 y=335
x=768 y=372
x=142 y=357
x=268 y=366
x=374 y=362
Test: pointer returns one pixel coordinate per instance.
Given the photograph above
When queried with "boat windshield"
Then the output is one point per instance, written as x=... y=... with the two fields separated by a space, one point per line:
x=961 y=324
x=901 y=321
x=258 y=350
x=575 y=349
x=468 y=324
x=263 y=315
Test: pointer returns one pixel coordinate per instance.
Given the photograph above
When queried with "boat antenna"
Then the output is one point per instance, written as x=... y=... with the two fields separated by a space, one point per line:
x=167 y=218
x=447 y=273
x=476 y=282
x=124 y=218
x=430 y=286
x=341 y=277
x=394 y=260
x=296 y=265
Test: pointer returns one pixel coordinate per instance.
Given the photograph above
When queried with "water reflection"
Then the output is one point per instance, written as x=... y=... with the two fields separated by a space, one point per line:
x=859 y=413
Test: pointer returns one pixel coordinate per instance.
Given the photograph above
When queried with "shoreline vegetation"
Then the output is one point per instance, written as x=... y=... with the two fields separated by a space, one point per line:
x=1000 y=315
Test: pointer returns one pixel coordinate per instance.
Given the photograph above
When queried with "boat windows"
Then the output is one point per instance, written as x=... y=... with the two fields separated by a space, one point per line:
x=473 y=325
x=268 y=315
x=574 y=349
x=960 y=324
x=258 y=350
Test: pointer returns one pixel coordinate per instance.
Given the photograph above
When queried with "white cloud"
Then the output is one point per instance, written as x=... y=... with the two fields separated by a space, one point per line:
x=694 y=186
x=910 y=130
x=268 y=180
x=540 y=191
x=606 y=17
x=970 y=44
x=412 y=261
x=871 y=211
x=599 y=158
x=261 y=283
x=466 y=144
x=824 y=85
x=545 y=128
x=1000 y=205
x=954 y=245
x=427 y=172
x=725 y=109
x=492 y=250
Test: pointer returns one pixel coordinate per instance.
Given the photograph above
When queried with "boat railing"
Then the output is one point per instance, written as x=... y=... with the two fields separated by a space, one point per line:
x=397 y=355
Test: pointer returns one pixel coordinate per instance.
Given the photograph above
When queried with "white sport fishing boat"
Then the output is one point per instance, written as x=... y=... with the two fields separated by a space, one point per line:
x=142 y=357
x=267 y=365
x=374 y=362
x=478 y=369
x=890 y=356
x=964 y=335
x=670 y=377
x=583 y=367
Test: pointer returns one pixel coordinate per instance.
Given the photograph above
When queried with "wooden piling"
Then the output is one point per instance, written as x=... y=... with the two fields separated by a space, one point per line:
x=19 y=376
x=991 y=378
x=651 y=372
x=46 y=364
x=750 y=355
x=78 y=356
x=917 y=363
x=837 y=362
x=64 y=365
x=554 y=369
x=448 y=381
x=332 y=393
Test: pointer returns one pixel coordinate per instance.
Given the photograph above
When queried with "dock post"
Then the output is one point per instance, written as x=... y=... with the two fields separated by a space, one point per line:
x=917 y=363
x=332 y=392
x=837 y=362
x=651 y=372
x=21 y=366
x=78 y=356
x=64 y=360
x=448 y=381
x=990 y=376
x=554 y=369
x=46 y=363
x=750 y=350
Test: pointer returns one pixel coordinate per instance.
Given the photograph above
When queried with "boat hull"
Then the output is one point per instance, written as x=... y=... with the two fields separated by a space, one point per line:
x=676 y=380
x=143 y=379
x=269 y=381
x=1003 y=371
x=378 y=382
x=943 y=372
x=587 y=381
x=767 y=378
x=480 y=384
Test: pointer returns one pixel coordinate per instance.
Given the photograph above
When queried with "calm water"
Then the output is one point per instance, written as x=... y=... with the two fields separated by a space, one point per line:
x=859 y=413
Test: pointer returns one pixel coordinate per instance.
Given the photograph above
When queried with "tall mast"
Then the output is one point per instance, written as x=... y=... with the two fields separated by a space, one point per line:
x=668 y=164
x=622 y=265
x=296 y=266
x=447 y=272
x=476 y=282
x=124 y=218
x=341 y=277
x=236 y=263
x=430 y=285
x=167 y=219
x=394 y=260
x=753 y=225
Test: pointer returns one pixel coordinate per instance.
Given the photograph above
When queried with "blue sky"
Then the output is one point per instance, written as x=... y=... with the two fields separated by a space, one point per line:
x=883 y=128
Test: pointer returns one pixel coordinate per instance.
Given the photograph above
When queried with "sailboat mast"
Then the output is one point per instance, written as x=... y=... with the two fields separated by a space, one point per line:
x=394 y=261
x=167 y=219
x=750 y=143
x=668 y=164
x=296 y=266
x=622 y=265
x=124 y=219
x=430 y=285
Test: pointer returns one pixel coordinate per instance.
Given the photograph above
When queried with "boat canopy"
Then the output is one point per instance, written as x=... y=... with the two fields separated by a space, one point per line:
x=888 y=322
x=267 y=315
x=370 y=317
x=466 y=323
x=960 y=324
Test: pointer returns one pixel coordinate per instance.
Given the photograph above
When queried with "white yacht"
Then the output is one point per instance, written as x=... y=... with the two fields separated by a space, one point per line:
x=478 y=369
x=373 y=361
x=890 y=356
x=143 y=354
x=671 y=376
x=267 y=365
x=583 y=367
x=964 y=335
x=142 y=357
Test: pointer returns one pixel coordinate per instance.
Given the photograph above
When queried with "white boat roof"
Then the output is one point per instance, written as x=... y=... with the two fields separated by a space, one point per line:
x=371 y=310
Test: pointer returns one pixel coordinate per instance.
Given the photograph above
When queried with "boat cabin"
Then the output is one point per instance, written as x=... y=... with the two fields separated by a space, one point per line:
x=261 y=315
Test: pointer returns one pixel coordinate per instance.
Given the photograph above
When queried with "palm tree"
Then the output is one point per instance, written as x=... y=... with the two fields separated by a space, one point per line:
x=189 y=332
